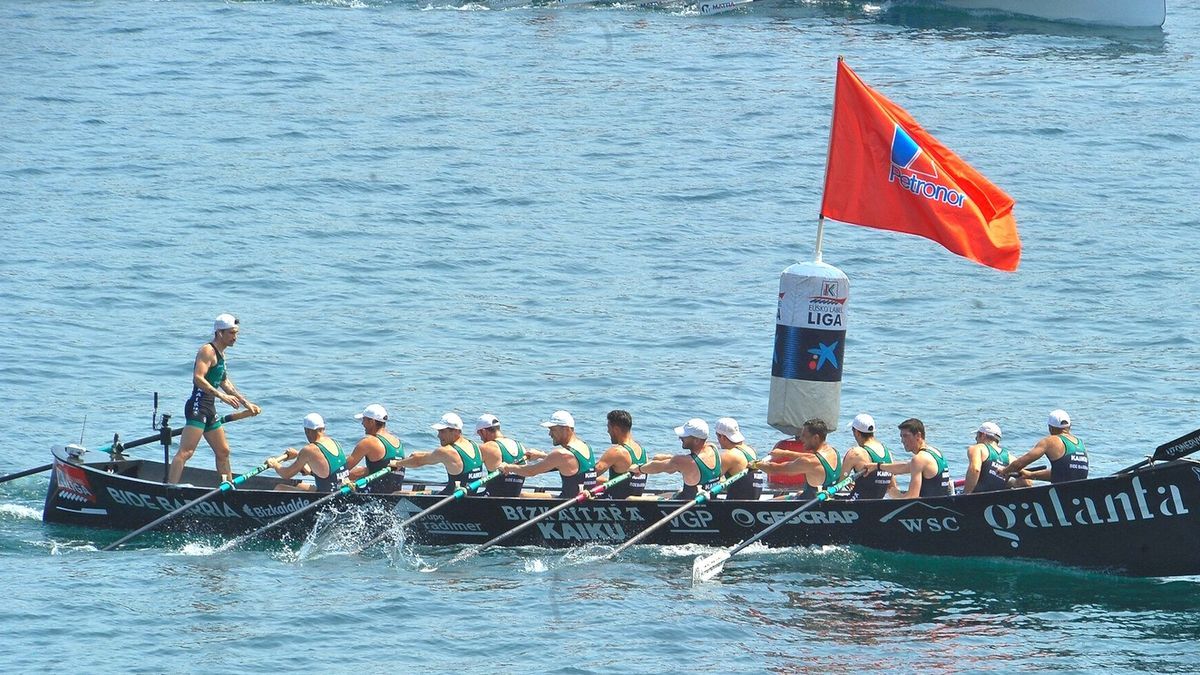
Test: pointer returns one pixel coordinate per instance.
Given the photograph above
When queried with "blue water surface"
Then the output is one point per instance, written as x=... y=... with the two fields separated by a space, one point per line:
x=518 y=208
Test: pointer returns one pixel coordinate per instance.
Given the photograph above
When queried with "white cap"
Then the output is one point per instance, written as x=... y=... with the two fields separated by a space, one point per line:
x=1059 y=419
x=728 y=427
x=314 y=421
x=560 y=418
x=864 y=423
x=989 y=429
x=695 y=428
x=486 y=421
x=373 y=412
x=448 y=421
x=225 y=322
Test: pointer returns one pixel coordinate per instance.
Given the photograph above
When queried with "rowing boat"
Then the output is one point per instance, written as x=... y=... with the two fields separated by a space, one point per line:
x=1117 y=13
x=1142 y=523
x=1112 y=13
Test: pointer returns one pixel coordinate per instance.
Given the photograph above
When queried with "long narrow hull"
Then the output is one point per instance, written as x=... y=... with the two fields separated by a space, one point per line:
x=1141 y=524
x=1120 y=13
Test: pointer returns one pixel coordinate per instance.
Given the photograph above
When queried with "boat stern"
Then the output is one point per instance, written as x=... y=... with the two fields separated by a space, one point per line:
x=71 y=498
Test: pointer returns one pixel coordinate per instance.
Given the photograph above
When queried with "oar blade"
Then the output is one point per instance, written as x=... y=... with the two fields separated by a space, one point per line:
x=721 y=6
x=1180 y=447
x=707 y=568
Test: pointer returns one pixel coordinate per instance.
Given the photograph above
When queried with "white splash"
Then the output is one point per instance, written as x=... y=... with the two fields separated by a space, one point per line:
x=20 y=511
x=196 y=548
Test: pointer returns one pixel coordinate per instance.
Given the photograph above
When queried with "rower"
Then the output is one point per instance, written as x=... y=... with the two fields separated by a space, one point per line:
x=377 y=448
x=499 y=449
x=929 y=474
x=819 y=461
x=622 y=454
x=461 y=456
x=986 y=461
x=571 y=457
x=869 y=451
x=1068 y=458
x=736 y=455
x=700 y=468
x=322 y=458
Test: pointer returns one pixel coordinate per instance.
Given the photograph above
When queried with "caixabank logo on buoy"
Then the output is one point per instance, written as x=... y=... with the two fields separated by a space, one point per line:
x=913 y=169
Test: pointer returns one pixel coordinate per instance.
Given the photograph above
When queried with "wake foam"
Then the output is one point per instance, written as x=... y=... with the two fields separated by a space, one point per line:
x=19 y=512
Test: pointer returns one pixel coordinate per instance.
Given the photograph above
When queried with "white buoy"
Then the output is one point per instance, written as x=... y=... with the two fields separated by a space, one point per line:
x=810 y=339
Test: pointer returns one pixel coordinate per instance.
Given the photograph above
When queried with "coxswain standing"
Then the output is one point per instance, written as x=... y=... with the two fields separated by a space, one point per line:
x=624 y=453
x=735 y=456
x=461 y=456
x=700 y=467
x=322 y=458
x=986 y=461
x=819 y=463
x=929 y=474
x=210 y=382
x=377 y=448
x=571 y=457
x=869 y=451
x=1068 y=458
x=499 y=449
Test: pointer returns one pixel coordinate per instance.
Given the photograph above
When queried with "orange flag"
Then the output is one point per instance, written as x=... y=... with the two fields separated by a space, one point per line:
x=885 y=171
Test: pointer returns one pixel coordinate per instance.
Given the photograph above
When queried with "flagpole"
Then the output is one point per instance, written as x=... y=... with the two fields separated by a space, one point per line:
x=828 y=153
x=820 y=236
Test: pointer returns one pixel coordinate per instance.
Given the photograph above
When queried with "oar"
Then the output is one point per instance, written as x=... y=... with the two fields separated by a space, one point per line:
x=458 y=493
x=223 y=487
x=27 y=472
x=700 y=498
x=1180 y=447
x=131 y=444
x=583 y=496
x=345 y=489
x=709 y=567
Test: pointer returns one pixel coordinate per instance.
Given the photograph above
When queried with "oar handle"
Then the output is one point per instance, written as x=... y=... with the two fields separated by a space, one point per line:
x=231 y=417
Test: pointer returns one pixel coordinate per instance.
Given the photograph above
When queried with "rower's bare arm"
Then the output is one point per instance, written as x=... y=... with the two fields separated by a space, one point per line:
x=1035 y=453
x=1043 y=474
x=233 y=391
x=668 y=464
x=895 y=467
x=610 y=457
x=206 y=358
x=360 y=451
x=551 y=462
x=303 y=457
x=780 y=453
x=418 y=459
x=852 y=462
x=799 y=464
x=893 y=490
x=974 y=465
x=533 y=453
x=916 y=477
